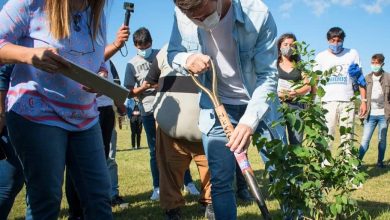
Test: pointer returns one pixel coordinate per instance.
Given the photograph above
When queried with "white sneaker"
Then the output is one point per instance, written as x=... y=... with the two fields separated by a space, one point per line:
x=325 y=163
x=356 y=187
x=191 y=188
x=156 y=194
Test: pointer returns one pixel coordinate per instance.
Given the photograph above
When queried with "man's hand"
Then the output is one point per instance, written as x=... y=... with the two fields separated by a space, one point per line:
x=240 y=139
x=363 y=109
x=121 y=109
x=46 y=59
x=122 y=36
x=146 y=85
x=198 y=63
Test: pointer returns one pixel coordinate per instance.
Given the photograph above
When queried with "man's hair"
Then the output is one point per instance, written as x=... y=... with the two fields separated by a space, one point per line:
x=142 y=37
x=379 y=57
x=335 y=32
x=187 y=5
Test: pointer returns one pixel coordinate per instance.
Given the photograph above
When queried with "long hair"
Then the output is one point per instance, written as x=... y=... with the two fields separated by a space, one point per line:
x=294 y=57
x=59 y=16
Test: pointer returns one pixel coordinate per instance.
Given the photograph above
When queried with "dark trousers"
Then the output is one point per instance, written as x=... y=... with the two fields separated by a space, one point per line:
x=136 y=130
x=107 y=122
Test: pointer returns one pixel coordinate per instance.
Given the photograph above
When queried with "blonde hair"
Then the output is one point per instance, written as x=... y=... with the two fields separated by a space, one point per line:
x=59 y=16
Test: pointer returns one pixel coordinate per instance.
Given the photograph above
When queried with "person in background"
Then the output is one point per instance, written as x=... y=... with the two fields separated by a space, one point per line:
x=288 y=76
x=116 y=199
x=378 y=108
x=178 y=139
x=135 y=121
x=241 y=43
x=136 y=71
x=339 y=89
x=42 y=103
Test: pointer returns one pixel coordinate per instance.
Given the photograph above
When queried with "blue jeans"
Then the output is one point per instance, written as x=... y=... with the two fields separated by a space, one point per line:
x=150 y=130
x=113 y=166
x=11 y=180
x=187 y=177
x=222 y=165
x=369 y=127
x=44 y=151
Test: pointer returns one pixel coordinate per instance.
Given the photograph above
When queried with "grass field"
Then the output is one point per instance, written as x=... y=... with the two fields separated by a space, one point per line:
x=136 y=186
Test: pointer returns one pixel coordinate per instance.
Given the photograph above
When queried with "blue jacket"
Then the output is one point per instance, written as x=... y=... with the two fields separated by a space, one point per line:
x=254 y=32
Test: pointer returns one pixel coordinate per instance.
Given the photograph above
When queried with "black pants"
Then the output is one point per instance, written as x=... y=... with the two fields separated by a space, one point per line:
x=136 y=130
x=107 y=122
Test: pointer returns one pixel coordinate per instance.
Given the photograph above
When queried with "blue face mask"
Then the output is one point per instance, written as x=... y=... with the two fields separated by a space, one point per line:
x=145 y=53
x=376 y=68
x=336 y=48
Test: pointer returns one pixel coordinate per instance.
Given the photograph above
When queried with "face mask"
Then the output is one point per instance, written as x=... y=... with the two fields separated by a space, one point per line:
x=336 y=48
x=286 y=51
x=376 y=68
x=145 y=53
x=212 y=20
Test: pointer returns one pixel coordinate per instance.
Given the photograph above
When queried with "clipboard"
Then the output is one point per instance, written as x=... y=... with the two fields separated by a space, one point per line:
x=94 y=81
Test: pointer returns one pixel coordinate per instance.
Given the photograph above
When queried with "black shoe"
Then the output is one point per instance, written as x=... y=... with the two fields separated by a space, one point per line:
x=173 y=214
x=209 y=212
x=244 y=195
x=117 y=201
x=380 y=165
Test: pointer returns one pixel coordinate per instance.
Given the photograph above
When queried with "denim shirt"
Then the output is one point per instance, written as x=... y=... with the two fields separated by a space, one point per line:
x=254 y=32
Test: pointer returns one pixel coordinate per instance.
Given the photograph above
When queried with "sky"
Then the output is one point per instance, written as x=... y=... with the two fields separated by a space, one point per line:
x=366 y=23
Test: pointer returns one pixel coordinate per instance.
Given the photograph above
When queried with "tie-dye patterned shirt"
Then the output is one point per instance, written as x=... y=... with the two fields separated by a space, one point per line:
x=45 y=98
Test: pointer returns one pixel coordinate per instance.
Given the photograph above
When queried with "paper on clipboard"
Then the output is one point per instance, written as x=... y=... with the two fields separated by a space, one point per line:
x=96 y=82
x=284 y=85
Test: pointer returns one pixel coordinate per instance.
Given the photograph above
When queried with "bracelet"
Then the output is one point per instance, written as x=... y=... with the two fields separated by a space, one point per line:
x=103 y=73
x=364 y=100
x=113 y=43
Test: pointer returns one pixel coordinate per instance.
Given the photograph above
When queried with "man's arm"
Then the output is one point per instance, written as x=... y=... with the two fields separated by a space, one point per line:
x=130 y=82
x=363 y=104
x=266 y=83
x=179 y=58
x=266 y=74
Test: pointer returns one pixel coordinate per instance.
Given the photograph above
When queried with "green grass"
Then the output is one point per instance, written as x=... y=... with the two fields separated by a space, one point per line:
x=136 y=186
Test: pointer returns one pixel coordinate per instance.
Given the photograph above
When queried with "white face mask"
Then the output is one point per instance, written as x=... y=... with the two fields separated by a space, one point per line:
x=212 y=20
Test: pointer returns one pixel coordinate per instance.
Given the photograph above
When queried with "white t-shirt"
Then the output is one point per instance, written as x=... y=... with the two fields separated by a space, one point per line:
x=339 y=87
x=103 y=100
x=221 y=46
x=377 y=97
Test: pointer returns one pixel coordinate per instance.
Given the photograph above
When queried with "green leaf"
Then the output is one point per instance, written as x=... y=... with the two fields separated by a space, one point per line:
x=333 y=209
x=339 y=208
x=291 y=118
x=320 y=92
x=344 y=200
